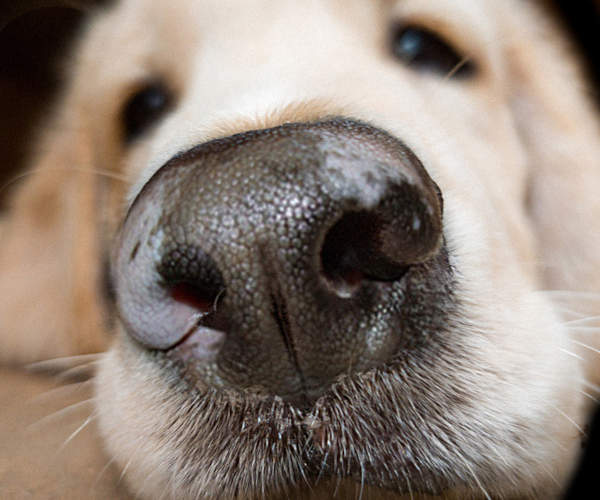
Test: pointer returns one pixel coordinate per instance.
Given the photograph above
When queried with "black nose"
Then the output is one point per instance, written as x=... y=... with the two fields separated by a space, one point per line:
x=280 y=259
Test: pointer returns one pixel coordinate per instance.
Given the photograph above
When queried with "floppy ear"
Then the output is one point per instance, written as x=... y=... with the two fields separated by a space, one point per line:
x=558 y=123
x=49 y=253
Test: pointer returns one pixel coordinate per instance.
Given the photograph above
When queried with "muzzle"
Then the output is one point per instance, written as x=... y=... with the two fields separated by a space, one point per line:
x=278 y=260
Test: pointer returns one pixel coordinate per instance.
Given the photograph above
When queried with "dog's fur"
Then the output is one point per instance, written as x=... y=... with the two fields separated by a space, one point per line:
x=515 y=151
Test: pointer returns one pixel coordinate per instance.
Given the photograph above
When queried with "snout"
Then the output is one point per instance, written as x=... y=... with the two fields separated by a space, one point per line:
x=278 y=260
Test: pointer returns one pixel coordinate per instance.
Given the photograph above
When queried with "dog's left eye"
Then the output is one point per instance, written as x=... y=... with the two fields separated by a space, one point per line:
x=144 y=109
x=423 y=50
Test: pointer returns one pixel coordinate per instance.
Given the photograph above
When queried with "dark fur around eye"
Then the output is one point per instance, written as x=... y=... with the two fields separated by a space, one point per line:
x=144 y=109
x=423 y=50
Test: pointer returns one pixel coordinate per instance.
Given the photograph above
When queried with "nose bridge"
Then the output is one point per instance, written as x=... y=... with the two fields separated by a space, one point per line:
x=264 y=63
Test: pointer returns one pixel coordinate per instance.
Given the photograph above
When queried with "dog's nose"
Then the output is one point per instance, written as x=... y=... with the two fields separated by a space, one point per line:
x=279 y=259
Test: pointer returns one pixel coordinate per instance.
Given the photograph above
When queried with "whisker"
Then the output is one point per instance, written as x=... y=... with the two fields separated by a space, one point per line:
x=572 y=312
x=575 y=424
x=577 y=356
x=550 y=474
x=62 y=390
x=103 y=471
x=100 y=172
x=583 y=321
x=457 y=67
x=588 y=395
x=59 y=414
x=84 y=371
x=86 y=422
x=593 y=349
x=584 y=329
x=60 y=364
x=591 y=386
x=124 y=471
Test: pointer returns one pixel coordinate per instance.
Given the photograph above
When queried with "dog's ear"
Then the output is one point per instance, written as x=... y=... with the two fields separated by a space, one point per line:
x=49 y=256
x=558 y=123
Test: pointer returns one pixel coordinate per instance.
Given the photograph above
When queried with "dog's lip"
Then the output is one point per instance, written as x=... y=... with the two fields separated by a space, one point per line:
x=315 y=423
x=312 y=432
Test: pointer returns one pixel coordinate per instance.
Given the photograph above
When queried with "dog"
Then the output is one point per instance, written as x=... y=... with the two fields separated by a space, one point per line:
x=332 y=249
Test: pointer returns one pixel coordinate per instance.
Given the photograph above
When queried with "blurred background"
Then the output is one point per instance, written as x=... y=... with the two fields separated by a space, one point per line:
x=35 y=36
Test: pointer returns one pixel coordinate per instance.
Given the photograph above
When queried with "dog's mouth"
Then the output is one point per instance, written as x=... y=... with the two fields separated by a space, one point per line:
x=376 y=427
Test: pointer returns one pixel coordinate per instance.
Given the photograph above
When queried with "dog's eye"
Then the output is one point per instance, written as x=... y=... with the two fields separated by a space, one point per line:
x=145 y=108
x=423 y=50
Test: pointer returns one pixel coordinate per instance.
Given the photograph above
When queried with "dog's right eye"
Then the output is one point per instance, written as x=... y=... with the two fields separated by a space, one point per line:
x=144 y=109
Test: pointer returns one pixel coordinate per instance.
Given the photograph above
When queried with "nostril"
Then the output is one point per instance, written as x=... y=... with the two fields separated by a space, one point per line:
x=168 y=291
x=191 y=277
x=349 y=254
x=204 y=299
x=381 y=243
x=205 y=338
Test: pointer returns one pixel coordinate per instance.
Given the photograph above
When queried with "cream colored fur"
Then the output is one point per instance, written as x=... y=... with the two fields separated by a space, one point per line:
x=515 y=152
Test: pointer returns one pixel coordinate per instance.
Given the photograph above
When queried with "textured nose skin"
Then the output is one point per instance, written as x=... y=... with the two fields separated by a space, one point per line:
x=280 y=259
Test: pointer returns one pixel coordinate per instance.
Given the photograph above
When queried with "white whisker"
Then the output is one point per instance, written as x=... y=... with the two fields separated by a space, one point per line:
x=550 y=474
x=571 y=312
x=102 y=173
x=577 y=356
x=103 y=471
x=77 y=431
x=591 y=386
x=583 y=321
x=60 y=391
x=588 y=395
x=593 y=349
x=584 y=329
x=59 y=364
x=575 y=424
x=124 y=471
x=85 y=370
x=60 y=413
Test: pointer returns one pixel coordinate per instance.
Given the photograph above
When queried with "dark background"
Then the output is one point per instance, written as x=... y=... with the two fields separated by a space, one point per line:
x=33 y=48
